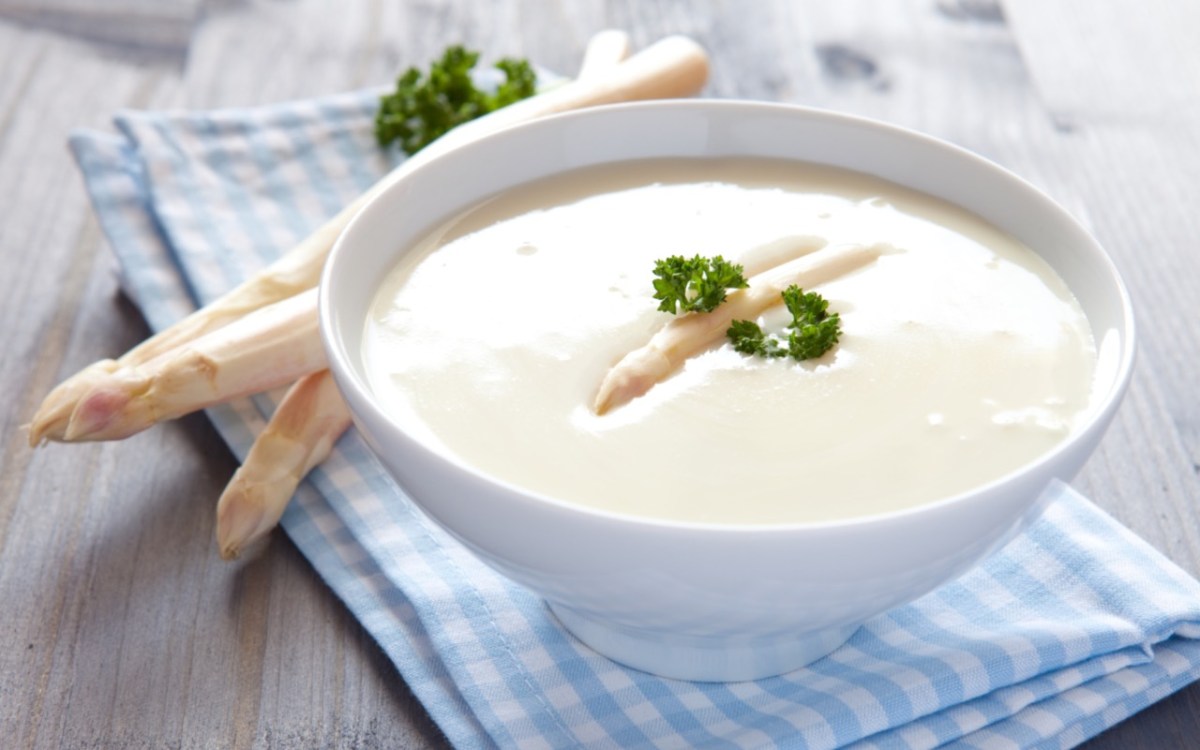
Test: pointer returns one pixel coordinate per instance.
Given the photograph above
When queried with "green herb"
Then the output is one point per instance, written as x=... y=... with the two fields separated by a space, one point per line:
x=748 y=338
x=422 y=108
x=695 y=285
x=813 y=330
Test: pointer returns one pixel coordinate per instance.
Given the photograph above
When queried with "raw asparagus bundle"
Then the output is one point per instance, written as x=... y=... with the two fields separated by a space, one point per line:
x=263 y=334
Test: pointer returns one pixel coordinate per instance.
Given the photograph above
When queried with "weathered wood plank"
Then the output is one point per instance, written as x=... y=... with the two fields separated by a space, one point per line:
x=137 y=29
x=1134 y=63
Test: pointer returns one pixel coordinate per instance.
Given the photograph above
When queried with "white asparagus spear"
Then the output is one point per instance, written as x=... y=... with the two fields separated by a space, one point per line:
x=604 y=50
x=266 y=349
x=672 y=67
x=636 y=371
x=641 y=369
x=300 y=435
x=312 y=416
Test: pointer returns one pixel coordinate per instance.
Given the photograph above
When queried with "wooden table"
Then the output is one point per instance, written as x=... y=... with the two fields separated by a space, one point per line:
x=119 y=625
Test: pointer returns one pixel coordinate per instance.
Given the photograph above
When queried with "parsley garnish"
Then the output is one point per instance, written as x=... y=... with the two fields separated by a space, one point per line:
x=813 y=332
x=695 y=285
x=422 y=108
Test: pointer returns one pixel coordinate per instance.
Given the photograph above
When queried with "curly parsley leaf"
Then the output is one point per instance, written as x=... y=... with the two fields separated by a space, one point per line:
x=694 y=285
x=520 y=82
x=748 y=338
x=813 y=330
x=423 y=107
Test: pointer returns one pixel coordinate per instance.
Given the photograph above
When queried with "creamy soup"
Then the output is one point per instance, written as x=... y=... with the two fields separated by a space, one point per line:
x=962 y=355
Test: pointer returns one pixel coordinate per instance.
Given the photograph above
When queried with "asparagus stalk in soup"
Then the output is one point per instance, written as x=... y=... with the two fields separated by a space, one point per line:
x=961 y=356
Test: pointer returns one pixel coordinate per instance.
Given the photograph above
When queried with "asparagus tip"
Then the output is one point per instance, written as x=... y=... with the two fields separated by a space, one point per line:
x=635 y=374
x=603 y=400
x=243 y=517
x=50 y=420
x=38 y=432
x=99 y=415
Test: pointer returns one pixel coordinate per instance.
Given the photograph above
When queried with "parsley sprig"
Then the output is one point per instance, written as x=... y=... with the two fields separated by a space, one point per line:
x=422 y=108
x=694 y=285
x=813 y=330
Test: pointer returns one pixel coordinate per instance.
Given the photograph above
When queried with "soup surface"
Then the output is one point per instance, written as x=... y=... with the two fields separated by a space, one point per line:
x=962 y=355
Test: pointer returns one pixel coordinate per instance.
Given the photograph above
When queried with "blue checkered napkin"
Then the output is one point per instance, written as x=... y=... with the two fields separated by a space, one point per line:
x=1071 y=628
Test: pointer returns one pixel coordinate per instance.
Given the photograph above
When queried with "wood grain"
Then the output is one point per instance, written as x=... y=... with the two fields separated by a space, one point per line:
x=121 y=627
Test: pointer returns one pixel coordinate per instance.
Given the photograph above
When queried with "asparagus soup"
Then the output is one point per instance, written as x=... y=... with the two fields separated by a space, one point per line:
x=961 y=357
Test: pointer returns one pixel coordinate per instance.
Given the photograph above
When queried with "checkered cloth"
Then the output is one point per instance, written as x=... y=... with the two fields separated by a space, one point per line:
x=1072 y=627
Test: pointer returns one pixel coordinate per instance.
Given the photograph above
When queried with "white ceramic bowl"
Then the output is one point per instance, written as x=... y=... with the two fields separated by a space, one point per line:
x=710 y=602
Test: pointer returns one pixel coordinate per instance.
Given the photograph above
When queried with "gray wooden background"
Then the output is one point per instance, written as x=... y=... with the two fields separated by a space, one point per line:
x=119 y=625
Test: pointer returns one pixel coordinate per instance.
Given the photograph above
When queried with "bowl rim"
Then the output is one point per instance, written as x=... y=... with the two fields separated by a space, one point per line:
x=1096 y=420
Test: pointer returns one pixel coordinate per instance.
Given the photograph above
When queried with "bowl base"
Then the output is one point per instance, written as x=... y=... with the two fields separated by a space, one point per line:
x=701 y=658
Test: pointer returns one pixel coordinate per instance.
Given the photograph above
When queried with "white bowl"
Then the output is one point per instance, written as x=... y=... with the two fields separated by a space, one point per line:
x=695 y=601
